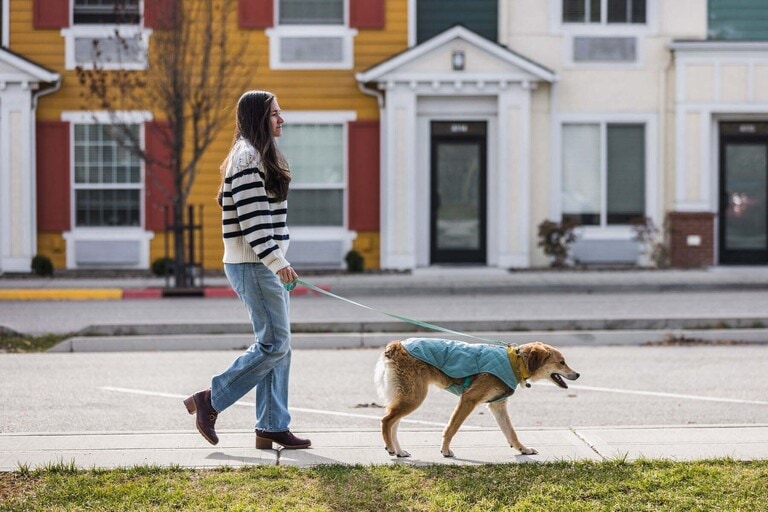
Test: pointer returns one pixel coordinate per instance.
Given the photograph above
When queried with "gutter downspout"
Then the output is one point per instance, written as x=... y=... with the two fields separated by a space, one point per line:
x=33 y=157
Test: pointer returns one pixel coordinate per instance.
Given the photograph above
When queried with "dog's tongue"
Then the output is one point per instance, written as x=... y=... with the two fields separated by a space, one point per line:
x=559 y=380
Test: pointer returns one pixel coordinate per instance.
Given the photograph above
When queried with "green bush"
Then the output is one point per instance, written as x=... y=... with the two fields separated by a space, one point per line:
x=162 y=265
x=355 y=262
x=42 y=266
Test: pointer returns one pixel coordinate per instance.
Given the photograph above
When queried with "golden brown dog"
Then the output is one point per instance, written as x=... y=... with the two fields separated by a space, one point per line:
x=403 y=380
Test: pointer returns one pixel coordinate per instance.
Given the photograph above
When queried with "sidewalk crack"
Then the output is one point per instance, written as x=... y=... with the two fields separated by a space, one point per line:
x=586 y=442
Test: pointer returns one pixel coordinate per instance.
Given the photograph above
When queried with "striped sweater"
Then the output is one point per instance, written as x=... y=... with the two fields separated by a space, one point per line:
x=253 y=223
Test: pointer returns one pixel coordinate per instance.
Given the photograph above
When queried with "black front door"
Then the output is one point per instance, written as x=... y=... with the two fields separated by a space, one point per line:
x=458 y=211
x=743 y=193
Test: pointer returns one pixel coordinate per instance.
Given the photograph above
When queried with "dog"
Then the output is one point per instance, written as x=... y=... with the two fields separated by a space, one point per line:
x=403 y=376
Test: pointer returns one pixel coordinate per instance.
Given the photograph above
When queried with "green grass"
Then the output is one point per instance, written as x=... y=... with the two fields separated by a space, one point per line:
x=568 y=486
x=16 y=342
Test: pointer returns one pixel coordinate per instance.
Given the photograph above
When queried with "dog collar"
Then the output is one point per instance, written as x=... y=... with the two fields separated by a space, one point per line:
x=518 y=365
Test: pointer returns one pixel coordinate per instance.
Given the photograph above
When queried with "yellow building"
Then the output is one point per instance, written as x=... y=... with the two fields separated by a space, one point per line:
x=89 y=203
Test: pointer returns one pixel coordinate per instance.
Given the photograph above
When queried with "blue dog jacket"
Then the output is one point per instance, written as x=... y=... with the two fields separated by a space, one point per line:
x=460 y=360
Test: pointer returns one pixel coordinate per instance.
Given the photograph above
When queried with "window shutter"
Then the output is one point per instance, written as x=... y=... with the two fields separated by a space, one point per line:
x=159 y=180
x=364 y=183
x=255 y=13
x=159 y=14
x=53 y=176
x=366 y=13
x=50 y=14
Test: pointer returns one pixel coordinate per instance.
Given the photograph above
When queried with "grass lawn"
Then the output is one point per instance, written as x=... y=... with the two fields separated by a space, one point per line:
x=16 y=342
x=615 y=485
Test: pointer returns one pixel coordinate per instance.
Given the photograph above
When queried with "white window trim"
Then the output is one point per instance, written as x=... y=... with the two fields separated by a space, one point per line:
x=277 y=32
x=276 y=35
x=104 y=31
x=127 y=233
x=652 y=197
x=343 y=117
x=106 y=117
x=5 y=41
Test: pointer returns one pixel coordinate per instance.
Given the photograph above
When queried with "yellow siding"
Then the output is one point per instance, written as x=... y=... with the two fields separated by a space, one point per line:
x=53 y=246
x=367 y=244
x=297 y=90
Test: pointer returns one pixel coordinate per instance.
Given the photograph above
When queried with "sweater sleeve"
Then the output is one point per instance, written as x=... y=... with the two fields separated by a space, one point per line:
x=257 y=220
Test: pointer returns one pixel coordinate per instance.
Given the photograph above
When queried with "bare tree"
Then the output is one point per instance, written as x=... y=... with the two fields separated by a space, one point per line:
x=194 y=66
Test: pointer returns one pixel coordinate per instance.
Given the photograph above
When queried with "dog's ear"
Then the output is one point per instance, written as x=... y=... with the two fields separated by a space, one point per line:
x=537 y=354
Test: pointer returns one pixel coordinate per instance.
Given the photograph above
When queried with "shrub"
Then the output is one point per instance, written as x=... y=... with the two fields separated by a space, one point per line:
x=42 y=266
x=555 y=238
x=355 y=261
x=162 y=265
x=654 y=250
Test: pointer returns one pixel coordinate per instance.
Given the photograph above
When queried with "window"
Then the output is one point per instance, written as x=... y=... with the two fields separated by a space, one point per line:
x=604 y=11
x=436 y=16
x=603 y=180
x=315 y=153
x=106 y=33
x=311 y=12
x=107 y=177
x=103 y=12
x=311 y=34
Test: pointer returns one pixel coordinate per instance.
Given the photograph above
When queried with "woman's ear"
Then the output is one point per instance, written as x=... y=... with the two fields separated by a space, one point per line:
x=537 y=354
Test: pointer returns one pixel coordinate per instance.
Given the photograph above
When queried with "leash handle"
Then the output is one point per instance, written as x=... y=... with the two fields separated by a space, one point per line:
x=411 y=321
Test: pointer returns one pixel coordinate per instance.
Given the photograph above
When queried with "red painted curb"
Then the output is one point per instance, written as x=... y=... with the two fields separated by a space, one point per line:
x=218 y=292
x=142 y=293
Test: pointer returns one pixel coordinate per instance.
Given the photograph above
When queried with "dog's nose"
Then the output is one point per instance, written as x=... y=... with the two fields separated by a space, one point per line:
x=577 y=376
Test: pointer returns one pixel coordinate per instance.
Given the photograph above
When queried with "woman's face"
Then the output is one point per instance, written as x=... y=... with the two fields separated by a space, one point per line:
x=275 y=119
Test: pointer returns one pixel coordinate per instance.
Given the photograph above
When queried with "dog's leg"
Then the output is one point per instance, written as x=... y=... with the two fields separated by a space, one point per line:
x=500 y=413
x=397 y=410
x=467 y=404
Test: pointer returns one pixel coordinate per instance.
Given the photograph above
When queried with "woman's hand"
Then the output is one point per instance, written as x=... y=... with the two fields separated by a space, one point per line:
x=287 y=275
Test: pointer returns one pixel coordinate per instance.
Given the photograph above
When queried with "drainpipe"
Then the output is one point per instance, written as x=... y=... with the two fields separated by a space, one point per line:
x=372 y=92
x=50 y=90
x=33 y=156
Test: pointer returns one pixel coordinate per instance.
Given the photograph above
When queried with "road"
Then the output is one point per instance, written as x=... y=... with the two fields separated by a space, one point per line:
x=333 y=390
x=71 y=316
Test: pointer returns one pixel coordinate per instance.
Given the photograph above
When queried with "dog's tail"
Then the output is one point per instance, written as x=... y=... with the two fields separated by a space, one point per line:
x=384 y=376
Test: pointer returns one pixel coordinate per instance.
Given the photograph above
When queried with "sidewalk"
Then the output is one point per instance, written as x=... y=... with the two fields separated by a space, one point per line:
x=476 y=446
x=444 y=280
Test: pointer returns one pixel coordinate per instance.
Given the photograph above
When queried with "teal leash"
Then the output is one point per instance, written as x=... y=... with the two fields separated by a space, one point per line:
x=419 y=323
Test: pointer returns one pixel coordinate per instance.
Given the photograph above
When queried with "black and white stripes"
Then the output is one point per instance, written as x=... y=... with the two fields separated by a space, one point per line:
x=253 y=224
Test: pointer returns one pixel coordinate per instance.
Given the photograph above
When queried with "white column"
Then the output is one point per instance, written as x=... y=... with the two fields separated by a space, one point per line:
x=398 y=181
x=18 y=240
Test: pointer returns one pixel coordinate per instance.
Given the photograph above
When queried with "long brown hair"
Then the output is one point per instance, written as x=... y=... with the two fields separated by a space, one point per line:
x=253 y=123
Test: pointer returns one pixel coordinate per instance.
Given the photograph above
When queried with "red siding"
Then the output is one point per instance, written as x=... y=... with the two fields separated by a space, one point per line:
x=364 y=175
x=50 y=14
x=53 y=176
x=366 y=13
x=159 y=182
x=159 y=13
x=255 y=13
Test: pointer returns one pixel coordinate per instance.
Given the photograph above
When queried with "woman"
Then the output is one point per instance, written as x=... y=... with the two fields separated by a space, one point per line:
x=252 y=195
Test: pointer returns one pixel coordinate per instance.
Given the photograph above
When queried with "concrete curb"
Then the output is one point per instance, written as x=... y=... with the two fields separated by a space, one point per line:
x=87 y=450
x=144 y=343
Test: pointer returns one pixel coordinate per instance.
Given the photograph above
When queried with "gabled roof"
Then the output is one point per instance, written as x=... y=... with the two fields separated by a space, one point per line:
x=24 y=66
x=500 y=52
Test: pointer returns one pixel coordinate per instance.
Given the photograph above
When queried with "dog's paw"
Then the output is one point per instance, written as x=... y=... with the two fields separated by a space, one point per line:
x=447 y=453
x=527 y=451
x=403 y=454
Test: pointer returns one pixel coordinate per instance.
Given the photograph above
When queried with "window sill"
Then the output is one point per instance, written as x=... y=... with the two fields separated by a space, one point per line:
x=105 y=32
x=307 y=35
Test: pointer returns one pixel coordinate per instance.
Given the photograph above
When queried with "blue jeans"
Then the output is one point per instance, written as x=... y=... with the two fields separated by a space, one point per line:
x=266 y=364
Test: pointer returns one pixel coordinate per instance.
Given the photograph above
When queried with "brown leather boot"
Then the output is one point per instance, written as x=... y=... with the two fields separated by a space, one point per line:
x=285 y=439
x=200 y=402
